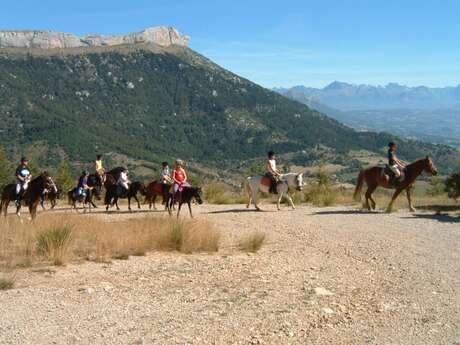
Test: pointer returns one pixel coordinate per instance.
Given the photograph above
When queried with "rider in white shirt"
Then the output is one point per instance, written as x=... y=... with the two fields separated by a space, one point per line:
x=23 y=175
x=272 y=172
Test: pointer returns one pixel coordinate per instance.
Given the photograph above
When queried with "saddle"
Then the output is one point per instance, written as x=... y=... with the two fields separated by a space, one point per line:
x=79 y=192
x=268 y=182
x=392 y=177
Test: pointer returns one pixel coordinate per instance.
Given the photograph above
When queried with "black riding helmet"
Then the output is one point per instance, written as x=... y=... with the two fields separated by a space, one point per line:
x=270 y=153
x=391 y=144
x=24 y=159
x=164 y=164
x=85 y=172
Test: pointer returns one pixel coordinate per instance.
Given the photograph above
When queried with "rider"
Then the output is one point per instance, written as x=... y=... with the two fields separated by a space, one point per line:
x=23 y=175
x=272 y=172
x=99 y=168
x=165 y=176
x=123 y=181
x=394 y=163
x=82 y=187
x=179 y=176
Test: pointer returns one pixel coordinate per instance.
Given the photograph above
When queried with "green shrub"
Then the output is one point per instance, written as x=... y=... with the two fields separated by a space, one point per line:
x=452 y=184
x=322 y=192
x=54 y=243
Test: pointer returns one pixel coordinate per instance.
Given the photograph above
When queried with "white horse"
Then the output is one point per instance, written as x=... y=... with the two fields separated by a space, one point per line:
x=254 y=185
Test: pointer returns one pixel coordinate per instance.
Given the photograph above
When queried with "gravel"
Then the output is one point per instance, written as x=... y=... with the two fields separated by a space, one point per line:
x=323 y=276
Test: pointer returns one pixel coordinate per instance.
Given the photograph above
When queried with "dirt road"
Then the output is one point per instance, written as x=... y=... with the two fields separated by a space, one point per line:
x=324 y=276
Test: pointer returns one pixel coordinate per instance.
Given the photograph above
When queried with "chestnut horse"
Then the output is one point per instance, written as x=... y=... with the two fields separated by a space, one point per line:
x=154 y=189
x=375 y=177
x=31 y=197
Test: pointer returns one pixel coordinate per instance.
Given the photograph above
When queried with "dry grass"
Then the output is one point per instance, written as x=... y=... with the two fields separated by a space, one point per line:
x=58 y=239
x=6 y=282
x=252 y=242
x=221 y=194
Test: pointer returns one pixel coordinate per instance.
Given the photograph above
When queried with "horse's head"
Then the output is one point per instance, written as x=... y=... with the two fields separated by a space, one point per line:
x=430 y=167
x=198 y=195
x=48 y=182
x=299 y=182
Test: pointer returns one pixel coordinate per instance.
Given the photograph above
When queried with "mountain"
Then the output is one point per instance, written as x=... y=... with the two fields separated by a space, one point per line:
x=347 y=97
x=422 y=113
x=143 y=102
x=164 y=36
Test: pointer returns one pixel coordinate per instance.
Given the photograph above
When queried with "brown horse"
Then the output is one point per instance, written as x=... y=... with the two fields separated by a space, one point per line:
x=376 y=177
x=31 y=197
x=153 y=190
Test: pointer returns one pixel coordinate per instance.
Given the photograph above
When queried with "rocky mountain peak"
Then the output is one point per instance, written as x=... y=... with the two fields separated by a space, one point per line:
x=160 y=35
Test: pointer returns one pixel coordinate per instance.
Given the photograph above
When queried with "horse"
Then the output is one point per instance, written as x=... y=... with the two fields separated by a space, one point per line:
x=255 y=184
x=85 y=199
x=152 y=190
x=112 y=195
x=376 y=177
x=52 y=196
x=186 y=196
x=31 y=197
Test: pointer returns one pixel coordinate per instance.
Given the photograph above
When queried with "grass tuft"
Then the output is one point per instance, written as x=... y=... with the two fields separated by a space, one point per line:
x=252 y=242
x=54 y=243
x=6 y=283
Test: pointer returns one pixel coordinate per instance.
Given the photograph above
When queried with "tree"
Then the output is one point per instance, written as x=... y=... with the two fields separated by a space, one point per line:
x=63 y=176
x=5 y=168
x=437 y=186
x=453 y=186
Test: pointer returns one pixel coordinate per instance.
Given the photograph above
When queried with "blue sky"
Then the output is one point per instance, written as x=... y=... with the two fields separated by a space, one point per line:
x=282 y=43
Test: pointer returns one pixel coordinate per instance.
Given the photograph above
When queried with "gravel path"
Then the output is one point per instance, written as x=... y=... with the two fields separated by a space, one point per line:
x=325 y=276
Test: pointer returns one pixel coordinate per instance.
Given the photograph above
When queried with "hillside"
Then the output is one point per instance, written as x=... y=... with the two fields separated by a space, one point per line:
x=150 y=103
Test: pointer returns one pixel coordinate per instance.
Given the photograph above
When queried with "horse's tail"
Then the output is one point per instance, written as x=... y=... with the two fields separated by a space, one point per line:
x=359 y=186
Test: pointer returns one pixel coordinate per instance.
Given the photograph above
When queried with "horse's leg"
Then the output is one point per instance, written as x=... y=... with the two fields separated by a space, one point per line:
x=409 y=199
x=42 y=203
x=279 y=200
x=178 y=209
x=129 y=203
x=254 y=199
x=116 y=204
x=33 y=209
x=138 y=204
x=190 y=209
x=395 y=195
x=248 y=192
x=291 y=202
x=370 y=189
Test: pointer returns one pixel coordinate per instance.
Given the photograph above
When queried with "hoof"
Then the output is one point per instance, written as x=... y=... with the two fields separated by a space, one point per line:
x=389 y=210
x=412 y=209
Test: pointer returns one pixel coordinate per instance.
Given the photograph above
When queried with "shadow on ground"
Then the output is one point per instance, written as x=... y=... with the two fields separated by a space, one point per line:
x=325 y=213
x=238 y=210
x=444 y=218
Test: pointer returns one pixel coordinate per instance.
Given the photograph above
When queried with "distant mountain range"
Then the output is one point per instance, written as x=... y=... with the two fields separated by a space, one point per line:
x=424 y=113
x=345 y=96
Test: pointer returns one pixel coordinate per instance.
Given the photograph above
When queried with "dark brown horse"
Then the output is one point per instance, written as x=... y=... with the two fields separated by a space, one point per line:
x=52 y=196
x=376 y=177
x=113 y=194
x=155 y=189
x=31 y=197
x=187 y=195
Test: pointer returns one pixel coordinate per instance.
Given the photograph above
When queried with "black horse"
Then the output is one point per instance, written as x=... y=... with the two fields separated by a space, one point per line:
x=31 y=197
x=187 y=195
x=113 y=193
x=85 y=199
x=52 y=195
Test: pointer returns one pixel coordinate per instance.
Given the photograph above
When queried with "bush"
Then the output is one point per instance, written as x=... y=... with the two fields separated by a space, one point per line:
x=54 y=243
x=322 y=192
x=221 y=194
x=436 y=187
x=453 y=186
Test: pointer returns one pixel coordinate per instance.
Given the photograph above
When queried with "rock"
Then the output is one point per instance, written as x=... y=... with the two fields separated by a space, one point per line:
x=87 y=290
x=322 y=291
x=327 y=311
x=160 y=35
